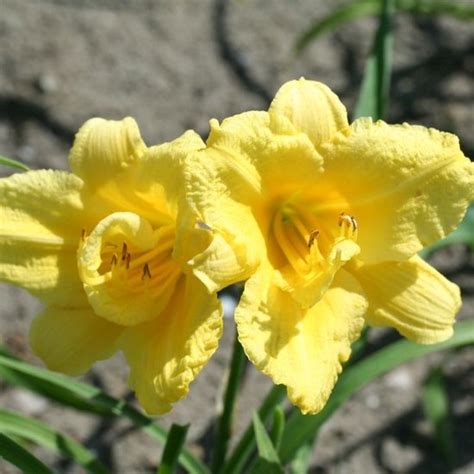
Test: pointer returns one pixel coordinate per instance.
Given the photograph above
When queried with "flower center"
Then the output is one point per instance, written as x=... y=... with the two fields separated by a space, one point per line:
x=307 y=252
x=127 y=268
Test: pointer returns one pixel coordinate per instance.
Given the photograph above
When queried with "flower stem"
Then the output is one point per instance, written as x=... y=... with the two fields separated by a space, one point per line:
x=223 y=429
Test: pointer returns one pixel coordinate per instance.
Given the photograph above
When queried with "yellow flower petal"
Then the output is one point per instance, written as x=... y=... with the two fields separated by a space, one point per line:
x=152 y=186
x=407 y=186
x=312 y=108
x=71 y=340
x=167 y=353
x=41 y=217
x=303 y=350
x=127 y=268
x=103 y=148
x=236 y=184
x=412 y=297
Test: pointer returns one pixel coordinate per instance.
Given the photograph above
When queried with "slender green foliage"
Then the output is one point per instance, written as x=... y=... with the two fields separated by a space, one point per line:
x=17 y=455
x=278 y=426
x=268 y=460
x=300 y=428
x=11 y=163
x=373 y=97
x=224 y=425
x=174 y=445
x=244 y=448
x=12 y=423
x=101 y=401
x=361 y=8
x=436 y=407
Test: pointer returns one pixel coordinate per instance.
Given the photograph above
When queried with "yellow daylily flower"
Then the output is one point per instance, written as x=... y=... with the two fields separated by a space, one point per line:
x=97 y=246
x=326 y=219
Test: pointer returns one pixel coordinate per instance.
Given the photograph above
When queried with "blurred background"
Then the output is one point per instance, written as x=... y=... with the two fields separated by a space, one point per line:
x=173 y=65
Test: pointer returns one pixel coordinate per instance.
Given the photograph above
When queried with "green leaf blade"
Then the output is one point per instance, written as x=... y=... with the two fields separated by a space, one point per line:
x=341 y=15
x=11 y=163
x=302 y=428
x=436 y=408
x=21 y=458
x=373 y=97
x=38 y=432
x=73 y=389
x=174 y=445
x=268 y=460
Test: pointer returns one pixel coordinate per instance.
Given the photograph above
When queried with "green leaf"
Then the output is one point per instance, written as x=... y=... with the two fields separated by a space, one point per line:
x=436 y=408
x=341 y=15
x=241 y=453
x=223 y=431
x=11 y=163
x=300 y=463
x=464 y=234
x=268 y=460
x=20 y=457
x=48 y=389
x=173 y=447
x=278 y=426
x=302 y=428
x=34 y=430
x=73 y=389
x=361 y=8
x=373 y=97
x=452 y=8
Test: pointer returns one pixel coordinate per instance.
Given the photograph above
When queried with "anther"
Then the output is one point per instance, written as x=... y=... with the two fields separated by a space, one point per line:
x=114 y=260
x=127 y=263
x=203 y=225
x=347 y=219
x=124 y=251
x=83 y=234
x=354 y=223
x=146 y=272
x=312 y=237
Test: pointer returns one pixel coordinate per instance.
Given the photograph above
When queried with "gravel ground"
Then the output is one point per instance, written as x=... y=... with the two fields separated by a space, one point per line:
x=173 y=65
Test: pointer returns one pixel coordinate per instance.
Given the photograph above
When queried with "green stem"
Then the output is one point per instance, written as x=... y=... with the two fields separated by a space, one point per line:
x=223 y=431
x=246 y=444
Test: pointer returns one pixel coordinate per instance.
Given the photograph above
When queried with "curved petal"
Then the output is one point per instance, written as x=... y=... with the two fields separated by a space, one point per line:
x=235 y=183
x=41 y=217
x=152 y=186
x=103 y=148
x=303 y=350
x=312 y=108
x=167 y=353
x=71 y=340
x=412 y=297
x=407 y=186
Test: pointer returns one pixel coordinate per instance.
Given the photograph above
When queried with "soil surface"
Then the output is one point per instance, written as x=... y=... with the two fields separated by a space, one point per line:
x=173 y=65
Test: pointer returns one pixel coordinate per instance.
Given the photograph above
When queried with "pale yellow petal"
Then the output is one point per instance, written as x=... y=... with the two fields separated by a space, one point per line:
x=407 y=186
x=167 y=353
x=41 y=217
x=103 y=148
x=303 y=350
x=127 y=269
x=412 y=297
x=237 y=182
x=312 y=108
x=153 y=186
x=71 y=340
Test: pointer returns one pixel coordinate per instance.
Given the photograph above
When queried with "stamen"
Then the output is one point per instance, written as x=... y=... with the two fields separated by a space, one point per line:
x=127 y=263
x=146 y=272
x=348 y=226
x=124 y=251
x=312 y=237
x=114 y=260
x=83 y=234
x=203 y=225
